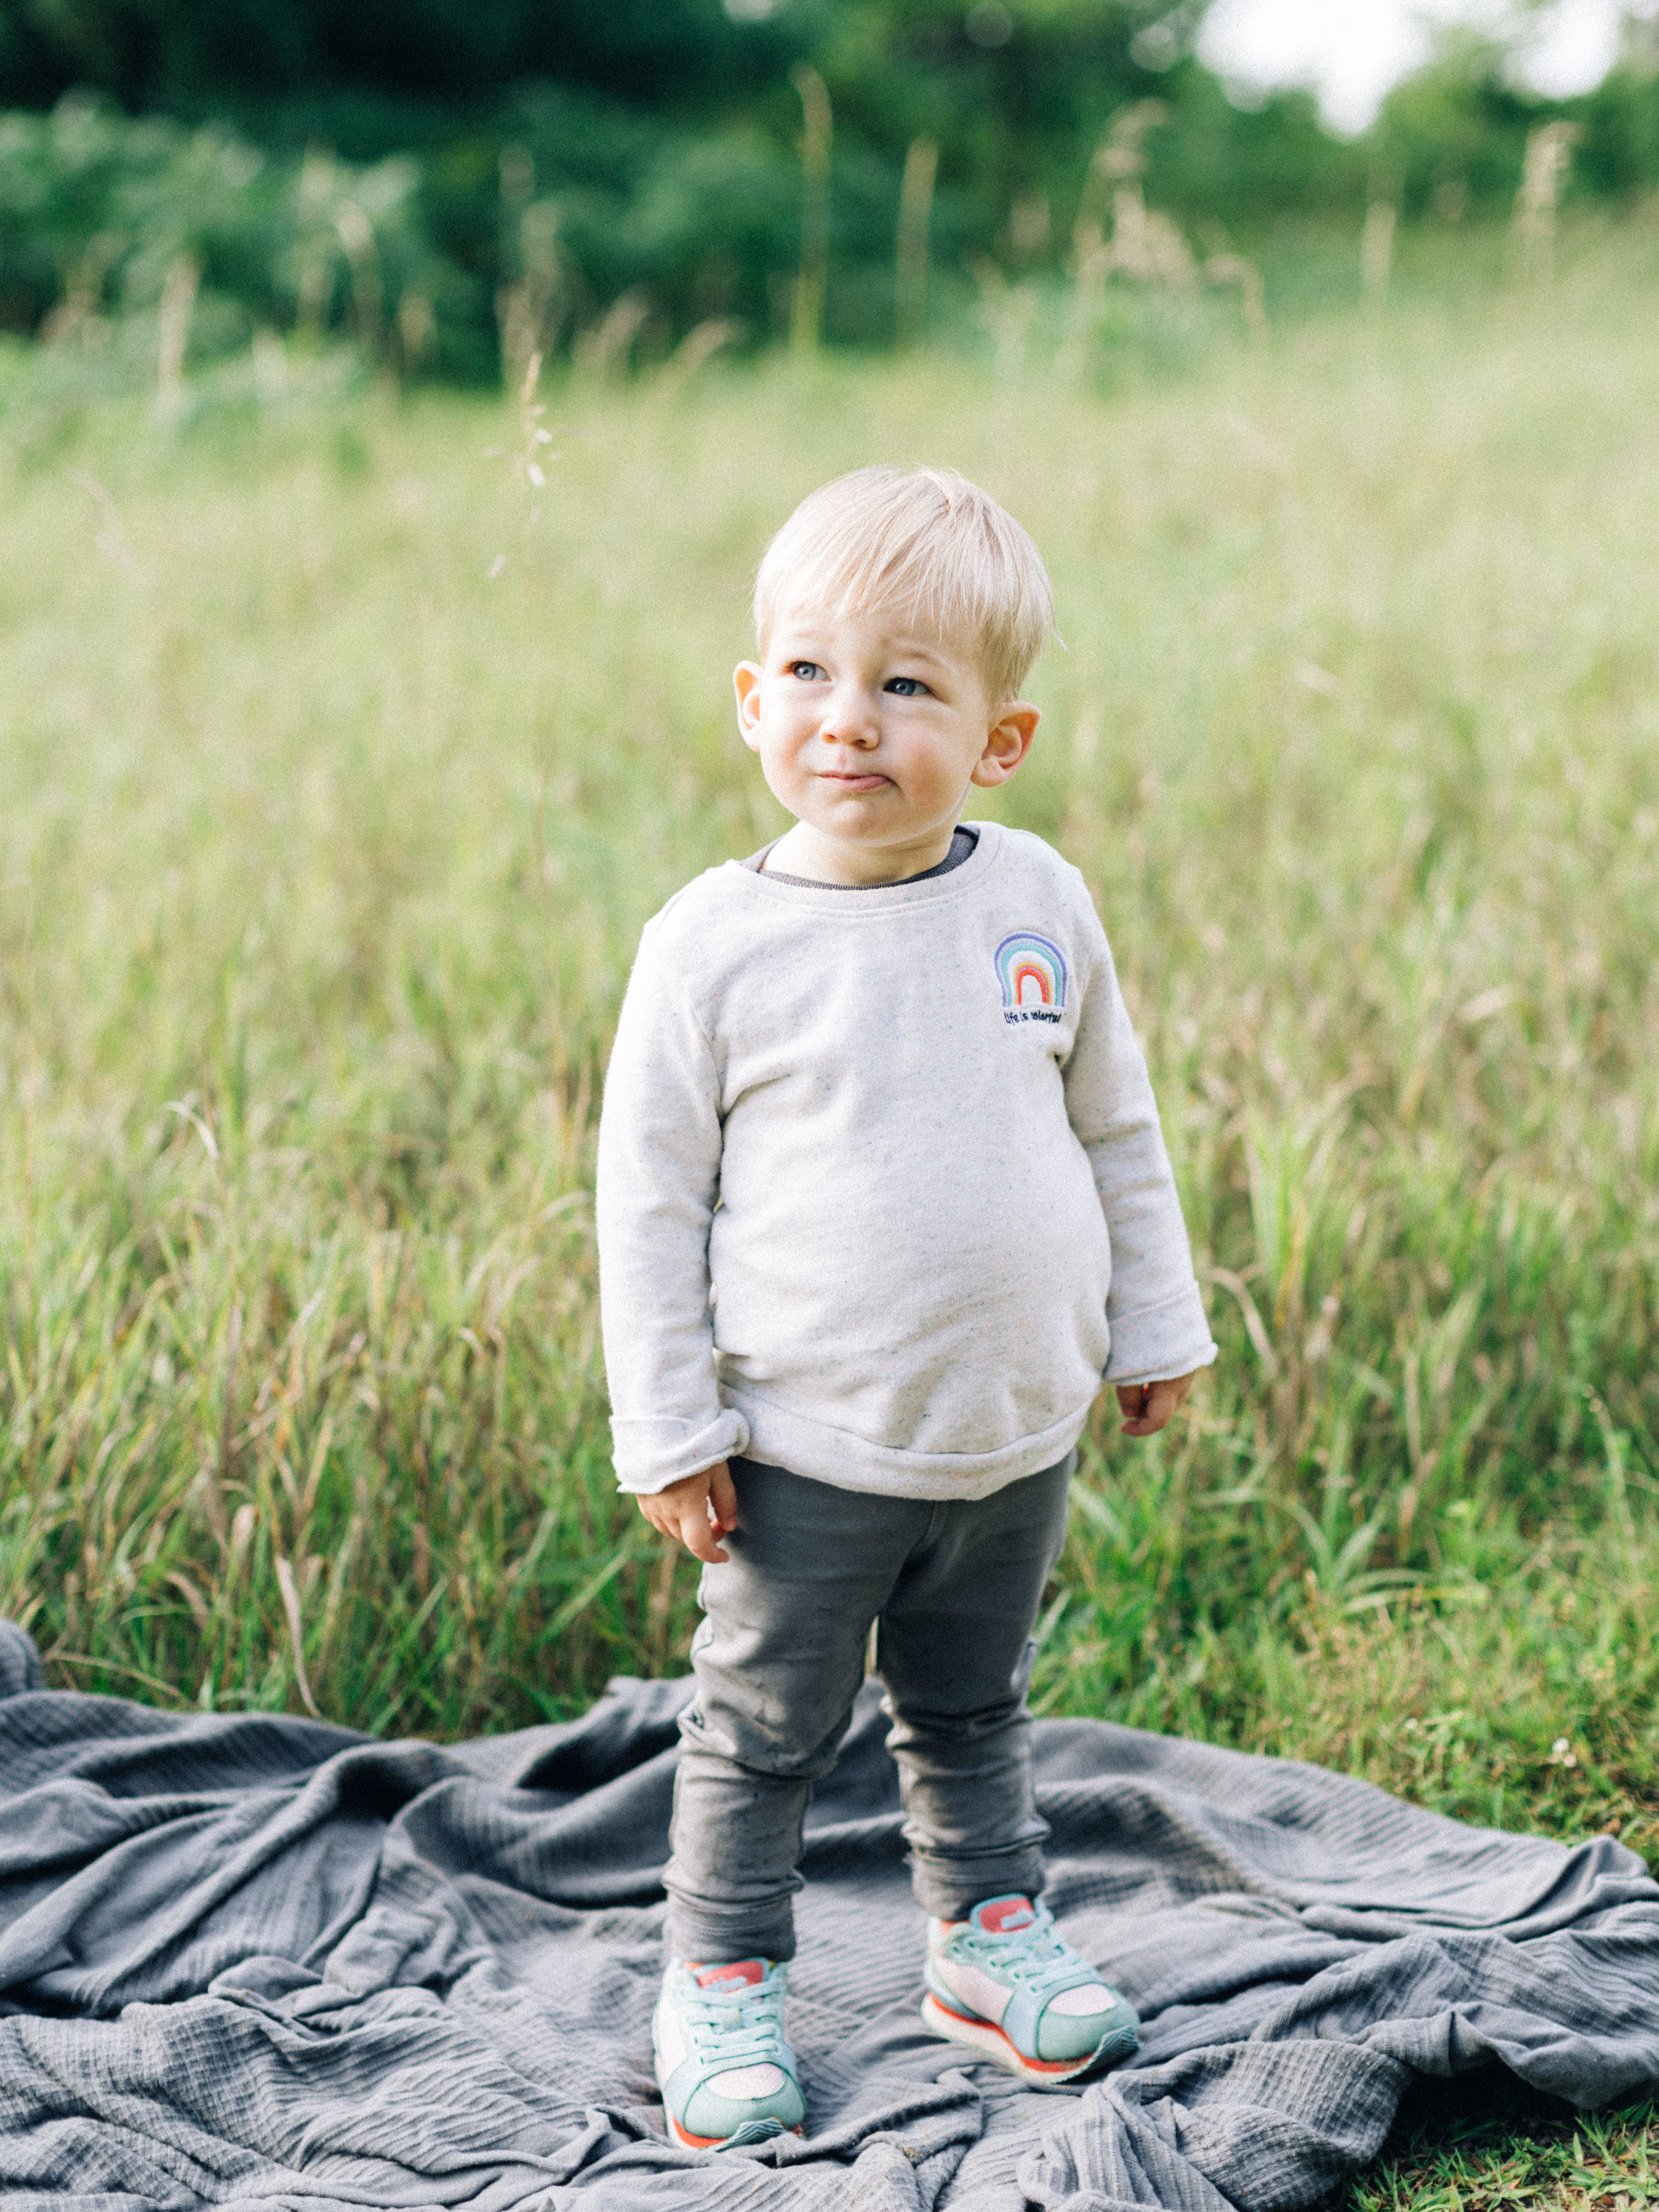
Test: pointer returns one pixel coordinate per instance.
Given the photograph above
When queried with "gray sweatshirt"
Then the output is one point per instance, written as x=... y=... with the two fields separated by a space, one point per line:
x=882 y=1192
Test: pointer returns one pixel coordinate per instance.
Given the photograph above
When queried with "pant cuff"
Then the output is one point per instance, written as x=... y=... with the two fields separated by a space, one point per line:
x=948 y=1890
x=715 y=1939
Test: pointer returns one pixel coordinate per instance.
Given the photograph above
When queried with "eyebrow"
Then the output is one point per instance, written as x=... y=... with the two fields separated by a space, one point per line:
x=805 y=645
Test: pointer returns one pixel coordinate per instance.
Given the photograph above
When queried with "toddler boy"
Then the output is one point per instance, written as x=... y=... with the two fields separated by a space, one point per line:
x=882 y=1199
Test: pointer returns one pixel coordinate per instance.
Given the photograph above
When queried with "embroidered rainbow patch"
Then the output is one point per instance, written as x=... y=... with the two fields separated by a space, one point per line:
x=1032 y=972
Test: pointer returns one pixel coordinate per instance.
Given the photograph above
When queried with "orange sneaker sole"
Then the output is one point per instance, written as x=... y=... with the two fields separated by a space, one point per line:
x=984 y=2035
x=680 y=2135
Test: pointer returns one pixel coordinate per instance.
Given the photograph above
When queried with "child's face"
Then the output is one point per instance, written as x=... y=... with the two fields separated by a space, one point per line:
x=871 y=728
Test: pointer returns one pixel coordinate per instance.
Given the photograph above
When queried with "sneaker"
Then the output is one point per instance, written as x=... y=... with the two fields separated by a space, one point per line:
x=1004 y=1982
x=725 y=2073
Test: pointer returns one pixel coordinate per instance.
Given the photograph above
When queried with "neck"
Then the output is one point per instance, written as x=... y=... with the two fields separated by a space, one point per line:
x=807 y=851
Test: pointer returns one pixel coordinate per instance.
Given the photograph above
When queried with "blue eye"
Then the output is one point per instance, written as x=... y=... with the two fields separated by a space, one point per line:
x=905 y=687
x=807 y=670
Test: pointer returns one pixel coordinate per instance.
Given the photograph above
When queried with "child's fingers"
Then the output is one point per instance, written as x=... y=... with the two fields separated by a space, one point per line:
x=722 y=1498
x=1162 y=1398
x=700 y=1536
x=1170 y=1396
x=682 y=1513
x=1155 y=1406
x=1132 y=1404
x=656 y=1512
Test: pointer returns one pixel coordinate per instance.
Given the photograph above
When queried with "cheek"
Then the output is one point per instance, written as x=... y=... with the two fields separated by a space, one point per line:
x=944 y=763
x=780 y=746
x=780 y=754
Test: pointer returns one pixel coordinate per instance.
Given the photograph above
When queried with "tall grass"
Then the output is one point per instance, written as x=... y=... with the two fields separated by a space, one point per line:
x=342 y=762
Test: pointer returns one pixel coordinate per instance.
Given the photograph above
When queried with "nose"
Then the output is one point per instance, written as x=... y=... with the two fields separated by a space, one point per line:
x=850 y=718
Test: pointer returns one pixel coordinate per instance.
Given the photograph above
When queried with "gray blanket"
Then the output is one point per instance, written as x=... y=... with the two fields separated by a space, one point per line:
x=261 y=1959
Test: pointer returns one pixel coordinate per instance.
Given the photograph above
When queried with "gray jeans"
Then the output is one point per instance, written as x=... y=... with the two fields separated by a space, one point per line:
x=954 y=1587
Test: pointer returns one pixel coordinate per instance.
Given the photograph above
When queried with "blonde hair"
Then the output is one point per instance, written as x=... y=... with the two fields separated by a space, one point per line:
x=926 y=540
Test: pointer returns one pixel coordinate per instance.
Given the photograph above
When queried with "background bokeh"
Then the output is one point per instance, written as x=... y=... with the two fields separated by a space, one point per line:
x=394 y=403
x=421 y=176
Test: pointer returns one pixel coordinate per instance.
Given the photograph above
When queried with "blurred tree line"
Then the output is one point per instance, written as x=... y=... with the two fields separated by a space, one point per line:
x=445 y=177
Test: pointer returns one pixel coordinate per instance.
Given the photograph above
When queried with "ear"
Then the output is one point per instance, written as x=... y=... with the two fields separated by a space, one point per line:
x=1006 y=744
x=746 y=680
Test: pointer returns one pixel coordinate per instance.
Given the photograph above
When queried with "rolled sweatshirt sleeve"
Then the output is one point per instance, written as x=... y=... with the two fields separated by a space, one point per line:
x=658 y=1184
x=1153 y=1308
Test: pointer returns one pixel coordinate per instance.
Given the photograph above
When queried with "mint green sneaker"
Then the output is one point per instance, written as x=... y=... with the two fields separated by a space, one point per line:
x=725 y=2073
x=1005 y=1983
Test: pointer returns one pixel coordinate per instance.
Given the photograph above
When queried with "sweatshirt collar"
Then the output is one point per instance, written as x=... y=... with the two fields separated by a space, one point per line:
x=933 y=889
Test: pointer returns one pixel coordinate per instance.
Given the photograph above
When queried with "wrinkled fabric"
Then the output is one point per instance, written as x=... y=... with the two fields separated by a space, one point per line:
x=262 y=1959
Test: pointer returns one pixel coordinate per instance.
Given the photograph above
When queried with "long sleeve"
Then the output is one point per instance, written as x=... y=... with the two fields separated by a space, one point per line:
x=658 y=1184
x=1153 y=1308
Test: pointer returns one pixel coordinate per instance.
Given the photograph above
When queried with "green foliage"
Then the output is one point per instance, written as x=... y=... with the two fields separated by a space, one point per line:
x=652 y=148
x=365 y=758
x=536 y=173
x=174 y=54
x=95 y=210
x=1451 y=140
x=1021 y=117
x=555 y=162
x=342 y=764
x=1485 y=2143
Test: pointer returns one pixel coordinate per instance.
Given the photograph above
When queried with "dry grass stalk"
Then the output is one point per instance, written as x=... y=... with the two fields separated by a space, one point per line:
x=1545 y=170
x=78 y=319
x=700 y=345
x=1142 y=245
x=1137 y=245
x=1235 y=269
x=533 y=310
x=285 y=1583
x=911 y=245
x=1376 y=253
x=178 y=305
x=602 y=352
x=417 y=330
x=315 y=193
x=356 y=234
x=270 y=380
x=1007 y=313
x=806 y=319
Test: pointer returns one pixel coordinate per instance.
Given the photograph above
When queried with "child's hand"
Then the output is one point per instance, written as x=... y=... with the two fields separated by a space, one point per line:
x=698 y=1512
x=1148 y=1407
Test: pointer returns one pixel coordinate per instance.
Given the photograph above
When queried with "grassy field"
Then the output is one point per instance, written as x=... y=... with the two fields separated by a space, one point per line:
x=342 y=762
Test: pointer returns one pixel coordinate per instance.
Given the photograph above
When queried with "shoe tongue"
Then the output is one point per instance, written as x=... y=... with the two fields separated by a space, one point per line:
x=1002 y=1915
x=745 y=1974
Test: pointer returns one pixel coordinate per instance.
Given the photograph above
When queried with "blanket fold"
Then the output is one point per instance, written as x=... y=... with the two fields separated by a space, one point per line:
x=253 y=1957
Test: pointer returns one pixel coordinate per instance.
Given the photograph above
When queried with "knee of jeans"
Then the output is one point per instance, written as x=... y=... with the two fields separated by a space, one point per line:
x=754 y=1751
x=914 y=1723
